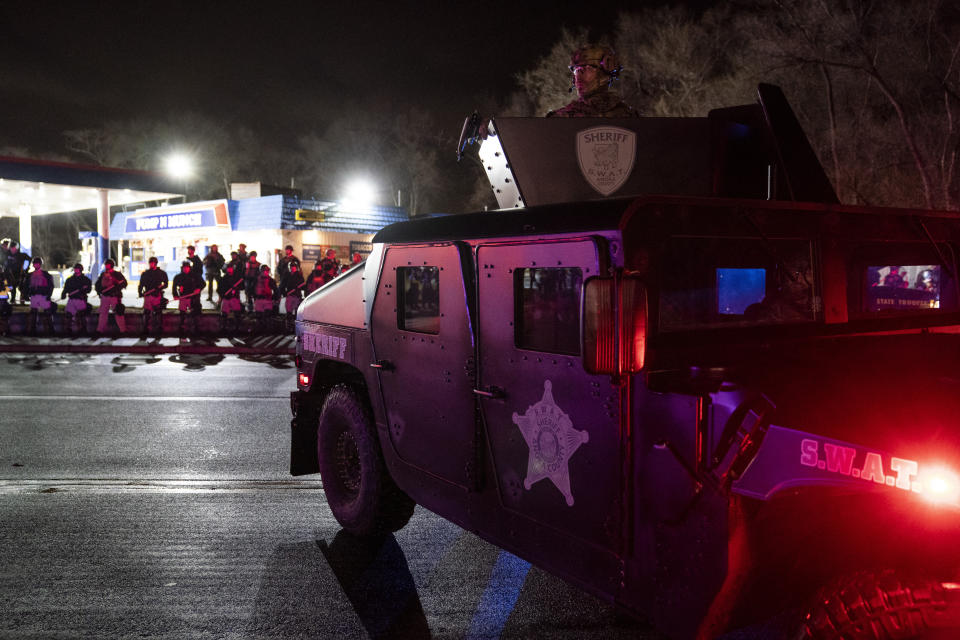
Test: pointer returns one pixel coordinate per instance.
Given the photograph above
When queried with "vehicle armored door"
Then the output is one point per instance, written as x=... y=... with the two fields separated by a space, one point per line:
x=422 y=336
x=553 y=428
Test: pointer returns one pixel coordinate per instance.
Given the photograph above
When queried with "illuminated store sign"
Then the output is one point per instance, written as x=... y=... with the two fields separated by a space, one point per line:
x=175 y=219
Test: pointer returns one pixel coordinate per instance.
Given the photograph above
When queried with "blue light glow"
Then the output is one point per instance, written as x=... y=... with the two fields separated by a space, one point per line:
x=737 y=289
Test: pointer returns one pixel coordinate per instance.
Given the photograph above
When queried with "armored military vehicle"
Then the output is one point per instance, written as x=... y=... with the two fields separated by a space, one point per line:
x=672 y=370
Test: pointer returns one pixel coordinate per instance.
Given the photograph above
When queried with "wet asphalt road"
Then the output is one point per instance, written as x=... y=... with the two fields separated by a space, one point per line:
x=148 y=496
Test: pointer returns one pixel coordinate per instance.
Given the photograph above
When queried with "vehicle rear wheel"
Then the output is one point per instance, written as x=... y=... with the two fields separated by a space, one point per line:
x=882 y=606
x=359 y=489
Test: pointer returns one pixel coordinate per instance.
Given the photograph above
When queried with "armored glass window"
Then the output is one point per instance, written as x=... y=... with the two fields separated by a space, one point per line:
x=736 y=282
x=419 y=304
x=547 y=309
x=903 y=288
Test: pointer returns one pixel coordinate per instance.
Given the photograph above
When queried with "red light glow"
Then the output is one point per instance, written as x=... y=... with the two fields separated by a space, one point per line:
x=939 y=485
x=303 y=380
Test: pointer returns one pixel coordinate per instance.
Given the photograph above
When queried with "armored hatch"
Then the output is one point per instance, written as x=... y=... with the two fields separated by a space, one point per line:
x=756 y=151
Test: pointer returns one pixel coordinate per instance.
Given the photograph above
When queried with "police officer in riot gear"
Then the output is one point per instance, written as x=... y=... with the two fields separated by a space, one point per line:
x=153 y=282
x=242 y=257
x=288 y=260
x=17 y=264
x=291 y=290
x=314 y=279
x=213 y=267
x=231 y=284
x=5 y=308
x=329 y=266
x=594 y=69
x=265 y=298
x=40 y=288
x=187 y=287
x=250 y=275
x=196 y=264
x=76 y=289
x=109 y=286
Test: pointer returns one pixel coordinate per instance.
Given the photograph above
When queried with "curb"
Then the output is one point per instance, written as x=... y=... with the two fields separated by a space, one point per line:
x=265 y=345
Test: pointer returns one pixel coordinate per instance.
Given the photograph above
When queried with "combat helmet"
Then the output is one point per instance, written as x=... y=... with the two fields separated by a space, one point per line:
x=603 y=58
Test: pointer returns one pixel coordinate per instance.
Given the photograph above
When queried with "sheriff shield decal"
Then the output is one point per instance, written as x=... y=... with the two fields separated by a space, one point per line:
x=551 y=438
x=606 y=156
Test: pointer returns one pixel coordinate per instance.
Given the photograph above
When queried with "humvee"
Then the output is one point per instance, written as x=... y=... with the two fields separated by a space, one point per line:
x=671 y=370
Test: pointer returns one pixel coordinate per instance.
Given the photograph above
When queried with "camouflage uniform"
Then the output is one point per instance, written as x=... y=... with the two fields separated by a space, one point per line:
x=602 y=104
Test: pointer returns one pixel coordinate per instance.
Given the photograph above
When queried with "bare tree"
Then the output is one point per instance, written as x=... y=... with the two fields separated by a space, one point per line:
x=548 y=84
x=222 y=153
x=680 y=64
x=888 y=76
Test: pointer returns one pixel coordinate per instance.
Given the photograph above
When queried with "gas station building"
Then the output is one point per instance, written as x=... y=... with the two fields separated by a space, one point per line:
x=31 y=188
x=264 y=223
x=148 y=225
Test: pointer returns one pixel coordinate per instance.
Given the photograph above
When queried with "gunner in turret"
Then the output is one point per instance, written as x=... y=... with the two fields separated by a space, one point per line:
x=594 y=69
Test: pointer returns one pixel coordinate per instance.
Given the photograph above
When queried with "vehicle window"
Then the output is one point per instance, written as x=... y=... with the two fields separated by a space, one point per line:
x=419 y=308
x=735 y=282
x=548 y=309
x=901 y=288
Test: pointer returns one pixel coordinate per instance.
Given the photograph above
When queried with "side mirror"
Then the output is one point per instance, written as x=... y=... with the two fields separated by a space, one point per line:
x=614 y=330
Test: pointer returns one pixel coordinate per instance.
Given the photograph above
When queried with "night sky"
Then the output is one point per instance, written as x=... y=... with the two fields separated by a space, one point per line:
x=281 y=69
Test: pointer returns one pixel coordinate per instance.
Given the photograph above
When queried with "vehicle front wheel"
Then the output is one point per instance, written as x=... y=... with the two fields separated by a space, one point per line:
x=361 y=494
x=883 y=606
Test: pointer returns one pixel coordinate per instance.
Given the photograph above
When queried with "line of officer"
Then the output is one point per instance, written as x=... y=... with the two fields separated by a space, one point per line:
x=75 y=290
x=153 y=282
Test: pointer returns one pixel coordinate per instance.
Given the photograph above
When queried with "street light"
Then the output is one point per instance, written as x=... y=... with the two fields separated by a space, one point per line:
x=179 y=166
x=359 y=193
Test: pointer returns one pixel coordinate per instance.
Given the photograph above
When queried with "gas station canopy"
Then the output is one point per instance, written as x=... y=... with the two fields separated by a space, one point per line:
x=37 y=187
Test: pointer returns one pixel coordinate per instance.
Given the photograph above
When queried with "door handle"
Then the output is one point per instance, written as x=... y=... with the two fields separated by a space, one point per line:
x=490 y=392
x=383 y=365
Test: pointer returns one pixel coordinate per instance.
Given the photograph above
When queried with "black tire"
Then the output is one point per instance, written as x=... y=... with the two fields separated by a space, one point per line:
x=360 y=492
x=879 y=606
